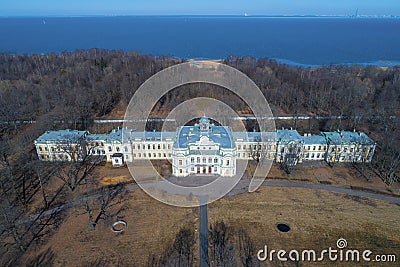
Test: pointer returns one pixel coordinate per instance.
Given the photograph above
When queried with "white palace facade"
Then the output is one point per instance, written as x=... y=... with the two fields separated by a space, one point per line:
x=205 y=148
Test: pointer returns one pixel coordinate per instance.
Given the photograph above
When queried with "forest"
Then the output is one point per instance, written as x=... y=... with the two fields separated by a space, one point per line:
x=76 y=87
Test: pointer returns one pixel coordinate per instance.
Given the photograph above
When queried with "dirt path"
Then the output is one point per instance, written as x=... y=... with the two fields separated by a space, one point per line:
x=395 y=200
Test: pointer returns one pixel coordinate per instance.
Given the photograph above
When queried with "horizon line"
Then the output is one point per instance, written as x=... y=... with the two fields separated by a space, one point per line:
x=206 y=15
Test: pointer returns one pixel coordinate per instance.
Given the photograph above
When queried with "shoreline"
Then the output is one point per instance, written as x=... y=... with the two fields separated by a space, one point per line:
x=280 y=61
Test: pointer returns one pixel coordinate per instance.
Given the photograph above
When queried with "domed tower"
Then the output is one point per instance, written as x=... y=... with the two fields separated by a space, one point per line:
x=204 y=125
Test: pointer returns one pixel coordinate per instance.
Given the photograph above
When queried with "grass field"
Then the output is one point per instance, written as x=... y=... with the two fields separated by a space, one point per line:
x=317 y=219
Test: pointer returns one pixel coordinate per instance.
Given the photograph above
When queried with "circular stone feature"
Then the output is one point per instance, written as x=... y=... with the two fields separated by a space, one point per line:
x=282 y=227
x=119 y=226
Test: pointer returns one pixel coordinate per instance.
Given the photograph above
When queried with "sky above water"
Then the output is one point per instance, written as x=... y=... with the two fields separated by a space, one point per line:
x=197 y=7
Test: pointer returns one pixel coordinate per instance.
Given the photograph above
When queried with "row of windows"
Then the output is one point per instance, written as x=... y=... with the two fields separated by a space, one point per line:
x=97 y=152
x=249 y=155
x=151 y=155
x=204 y=161
x=52 y=149
x=345 y=149
x=151 y=146
x=204 y=148
x=55 y=157
x=312 y=156
x=201 y=170
x=255 y=146
x=143 y=146
x=315 y=147
x=347 y=158
x=97 y=144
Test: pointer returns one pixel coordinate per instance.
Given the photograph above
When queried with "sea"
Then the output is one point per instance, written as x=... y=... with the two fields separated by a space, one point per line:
x=303 y=41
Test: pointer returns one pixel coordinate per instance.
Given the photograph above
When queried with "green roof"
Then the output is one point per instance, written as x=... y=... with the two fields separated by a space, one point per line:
x=62 y=136
x=345 y=137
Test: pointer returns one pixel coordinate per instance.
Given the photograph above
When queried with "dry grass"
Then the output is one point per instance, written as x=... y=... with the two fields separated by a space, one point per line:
x=317 y=219
x=114 y=180
x=151 y=226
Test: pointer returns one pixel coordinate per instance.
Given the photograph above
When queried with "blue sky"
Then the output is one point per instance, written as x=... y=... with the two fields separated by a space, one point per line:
x=196 y=7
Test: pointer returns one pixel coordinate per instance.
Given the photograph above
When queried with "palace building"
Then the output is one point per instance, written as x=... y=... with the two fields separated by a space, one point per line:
x=206 y=148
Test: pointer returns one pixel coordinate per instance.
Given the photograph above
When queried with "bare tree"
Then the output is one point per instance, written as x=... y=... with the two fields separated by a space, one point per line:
x=104 y=205
x=247 y=249
x=221 y=247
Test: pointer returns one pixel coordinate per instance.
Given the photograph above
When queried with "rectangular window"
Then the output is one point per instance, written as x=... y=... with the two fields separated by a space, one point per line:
x=180 y=170
x=215 y=160
x=313 y=147
x=227 y=162
x=192 y=169
x=117 y=148
x=40 y=148
x=239 y=147
x=109 y=149
x=154 y=155
x=198 y=160
x=133 y=147
x=163 y=146
x=165 y=155
x=204 y=160
x=134 y=155
x=148 y=146
x=140 y=155
x=192 y=160
x=169 y=155
x=209 y=160
x=319 y=148
x=154 y=146
x=244 y=147
x=169 y=146
x=180 y=162
x=159 y=155
x=159 y=146
x=215 y=169
x=126 y=149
